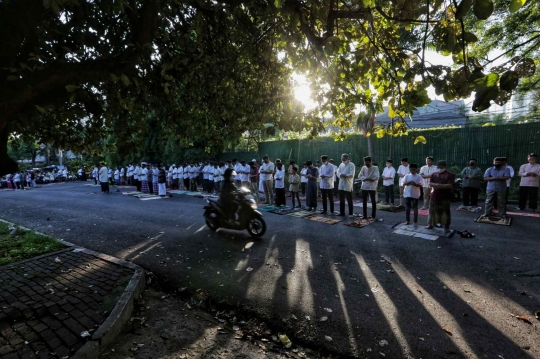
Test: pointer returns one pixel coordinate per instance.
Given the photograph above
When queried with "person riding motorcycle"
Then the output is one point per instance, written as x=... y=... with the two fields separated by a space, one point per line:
x=228 y=194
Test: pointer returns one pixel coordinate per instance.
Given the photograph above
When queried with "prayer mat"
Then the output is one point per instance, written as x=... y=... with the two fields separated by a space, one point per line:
x=300 y=214
x=91 y=184
x=393 y=209
x=421 y=232
x=360 y=222
x=468 y=209
x=267 y=208
x=521 y=214
x=422 y=212
x=147 y=197
x=495 y=220
x=132 y=193
x=285 y=210
x=322 y=219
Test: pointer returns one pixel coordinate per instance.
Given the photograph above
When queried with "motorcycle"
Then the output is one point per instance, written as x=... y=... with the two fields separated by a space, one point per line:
x=456 y=191
x=247 y=217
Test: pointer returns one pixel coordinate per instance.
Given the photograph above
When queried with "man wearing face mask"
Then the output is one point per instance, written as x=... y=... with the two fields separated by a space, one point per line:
x=472 y=177
x=327 y=174
x=496 y=177
x=388 y=175
x=441 y=185
x=369 y=175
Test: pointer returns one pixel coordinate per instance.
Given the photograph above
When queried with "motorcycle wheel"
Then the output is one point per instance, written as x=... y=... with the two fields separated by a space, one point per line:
x=256 y=227
x=211 y=220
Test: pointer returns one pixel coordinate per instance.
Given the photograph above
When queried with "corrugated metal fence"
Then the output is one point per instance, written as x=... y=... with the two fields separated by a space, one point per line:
x=456 y=146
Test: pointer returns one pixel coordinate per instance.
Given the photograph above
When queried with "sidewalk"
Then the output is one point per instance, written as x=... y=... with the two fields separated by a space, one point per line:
x=53 y=305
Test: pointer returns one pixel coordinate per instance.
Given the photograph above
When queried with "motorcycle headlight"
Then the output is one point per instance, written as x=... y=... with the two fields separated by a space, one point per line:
x=254 y=206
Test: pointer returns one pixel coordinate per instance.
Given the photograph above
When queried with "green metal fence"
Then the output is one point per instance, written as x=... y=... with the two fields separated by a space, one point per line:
x=456 y=146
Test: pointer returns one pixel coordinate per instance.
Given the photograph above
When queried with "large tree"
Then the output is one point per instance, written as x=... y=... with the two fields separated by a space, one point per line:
x=75 y=71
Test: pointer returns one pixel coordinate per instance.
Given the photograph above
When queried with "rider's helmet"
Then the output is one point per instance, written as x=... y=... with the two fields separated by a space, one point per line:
x=229 y=175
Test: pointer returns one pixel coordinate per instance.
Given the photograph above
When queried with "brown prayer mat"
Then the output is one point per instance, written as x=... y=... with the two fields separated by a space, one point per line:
x=495 y=220
x=360 y=222
x=322 y=219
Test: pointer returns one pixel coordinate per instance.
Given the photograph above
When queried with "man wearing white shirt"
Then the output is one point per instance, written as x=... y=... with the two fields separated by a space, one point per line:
x=327 y=173
x=205 y=177
x=117 y=176
x=412 y=183
x=244 y=174
x=79 y=174
x=130 y=170
x=369 y=175
x=426 y=172
x=194 y=170
x=388 y=175
x=267 y=171
x=528 y=188
x=110 y=176
x=136 y=173
x=187 y=168
x=303 y=179
x=174 y=171
x=180 y=175
x=122 y=176
x=237 y=168
x=346 y=173
x=508 y=182
x=403 y=170
x=103 y=178
x=279 y=177
x=95 y=174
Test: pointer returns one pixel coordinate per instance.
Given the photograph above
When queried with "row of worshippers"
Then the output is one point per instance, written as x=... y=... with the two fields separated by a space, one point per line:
x=150 y=178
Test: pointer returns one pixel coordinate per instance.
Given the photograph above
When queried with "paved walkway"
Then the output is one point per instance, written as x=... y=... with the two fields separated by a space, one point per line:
x=50 y=305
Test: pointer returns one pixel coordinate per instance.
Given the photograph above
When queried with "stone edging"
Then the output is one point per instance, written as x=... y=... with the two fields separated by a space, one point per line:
x=121 y=313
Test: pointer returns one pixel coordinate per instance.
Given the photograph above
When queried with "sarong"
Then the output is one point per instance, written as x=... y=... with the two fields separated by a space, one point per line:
x=439 y=212
x=162 y=189
x=155 y=186
x=144 y=187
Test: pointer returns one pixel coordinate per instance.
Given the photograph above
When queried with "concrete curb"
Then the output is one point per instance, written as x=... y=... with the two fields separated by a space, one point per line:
x=121 y=313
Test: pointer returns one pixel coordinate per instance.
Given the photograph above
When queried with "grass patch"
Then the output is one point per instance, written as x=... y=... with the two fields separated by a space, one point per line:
x=24 y=245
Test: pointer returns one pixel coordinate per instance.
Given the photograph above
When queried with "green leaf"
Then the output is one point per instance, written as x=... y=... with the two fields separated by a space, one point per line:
x=509 y=80
x=483 y=9
x=71 y=88
x=40 y=109
x=463 y=8
x=420 y=139
x=72 y=98
x=488 y=124
x=515 y=5
x=470 y=37
x=125 y=80
x=278 y=3
x=114 y=78
x=55 y=7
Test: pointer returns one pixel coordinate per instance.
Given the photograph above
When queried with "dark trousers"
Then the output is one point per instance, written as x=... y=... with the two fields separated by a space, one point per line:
x=151 y=187
x=95 y=180
x=186 y=184
x=327 y=193
x=138 y=184
x=336 y=186
x=528 y=193
x=303 y=185
x=389 y=194
x=206 y=182
x=411 y=203
x=297 y=195
x=470 y=196
x=342 y=196
x=280 y=196
x=105 y=187
x=210 y=186
x=365 y=195
x=506 y=198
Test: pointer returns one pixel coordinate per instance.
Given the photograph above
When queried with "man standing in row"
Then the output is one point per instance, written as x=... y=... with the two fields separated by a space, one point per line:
x=426 y=172
x=136 y=173
x=528 y=188
x=327 y=174
x=442 y=183
x=267 y=172
x=472 y=177
x=403 y=170
x=346 y=182
x=369 y=175
x=130 y=170
x=496 y=177
x=388 y=175
x=103 y=178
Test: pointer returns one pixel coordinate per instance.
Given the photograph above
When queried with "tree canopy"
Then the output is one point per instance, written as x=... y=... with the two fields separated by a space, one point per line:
x=102 y=74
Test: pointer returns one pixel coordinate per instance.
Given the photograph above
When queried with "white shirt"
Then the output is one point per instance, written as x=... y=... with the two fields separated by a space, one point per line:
x=94 y=172
x=328 y=171
x=402 y=170
x=512 y=173
x=144 y=174
x=238 y=168
x=130 y=171
x=267 y=167
x=216 y=174
x=389 y=172
x=205 y=172
x=122 y=171
x=79 y=172
x=245 y=173
x=529 y=181
x=136 y=172
x=65 y=172
x=110 y=173
x=222 y=172
x=103 y=174
x=427 y=171
x=346 y=184
x=371 y=173
x=303 y=179
x=280 y=178
x=174 y=172
x=155 y=174
x=180 y=172
x=193 y=172
x=412 y=191
x=186 y=172
x=116 y=174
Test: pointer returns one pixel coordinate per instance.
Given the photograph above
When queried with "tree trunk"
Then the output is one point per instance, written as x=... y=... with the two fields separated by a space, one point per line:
x=34 y=155
x=7 y=164
x=370 y=148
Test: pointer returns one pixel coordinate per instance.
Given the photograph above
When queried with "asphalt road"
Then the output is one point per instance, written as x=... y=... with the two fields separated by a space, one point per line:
x=379 y=285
